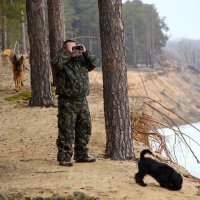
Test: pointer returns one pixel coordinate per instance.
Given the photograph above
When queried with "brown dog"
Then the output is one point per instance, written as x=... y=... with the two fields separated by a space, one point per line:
x=18 y=71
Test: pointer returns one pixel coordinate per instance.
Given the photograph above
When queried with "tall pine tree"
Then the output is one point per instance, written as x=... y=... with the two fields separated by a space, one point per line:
x=40 y=68
x=119 y=144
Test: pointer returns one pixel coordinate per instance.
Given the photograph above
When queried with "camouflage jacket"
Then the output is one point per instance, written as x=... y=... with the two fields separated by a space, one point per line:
x=72 y=74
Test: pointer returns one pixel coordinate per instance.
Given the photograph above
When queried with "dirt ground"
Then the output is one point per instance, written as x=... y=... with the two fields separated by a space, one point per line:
x=28 y=166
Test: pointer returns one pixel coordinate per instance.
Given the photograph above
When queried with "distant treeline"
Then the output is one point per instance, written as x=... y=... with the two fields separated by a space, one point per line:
x=184 y=53
x=145 y=32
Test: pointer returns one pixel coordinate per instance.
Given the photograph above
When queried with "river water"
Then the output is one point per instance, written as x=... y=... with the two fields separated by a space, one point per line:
x=181 y=151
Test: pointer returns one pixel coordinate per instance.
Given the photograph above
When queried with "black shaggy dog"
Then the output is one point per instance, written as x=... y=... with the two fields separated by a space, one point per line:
x=165 y=175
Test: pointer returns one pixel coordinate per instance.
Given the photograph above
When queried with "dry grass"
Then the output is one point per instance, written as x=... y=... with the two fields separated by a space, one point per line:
x=144 y=129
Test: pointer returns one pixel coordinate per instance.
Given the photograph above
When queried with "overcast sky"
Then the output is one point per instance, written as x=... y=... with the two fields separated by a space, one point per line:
x=182 y=17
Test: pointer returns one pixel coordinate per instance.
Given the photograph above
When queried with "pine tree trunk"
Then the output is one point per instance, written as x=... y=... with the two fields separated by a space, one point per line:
x=23 y=34
x=27 y=40
x=119 y=143
x=4 y=33
x=56 y=29
x=134 y=47
x=40 y=83
x=152 y=41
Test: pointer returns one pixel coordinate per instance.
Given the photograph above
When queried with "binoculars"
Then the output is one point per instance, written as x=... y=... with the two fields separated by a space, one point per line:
x=77 y=48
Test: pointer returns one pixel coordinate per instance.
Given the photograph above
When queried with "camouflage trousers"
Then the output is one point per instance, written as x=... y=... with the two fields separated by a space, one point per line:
x=74 y=128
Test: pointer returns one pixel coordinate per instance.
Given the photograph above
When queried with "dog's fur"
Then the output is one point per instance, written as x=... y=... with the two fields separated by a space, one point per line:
x=165 y=175
x=18 y=71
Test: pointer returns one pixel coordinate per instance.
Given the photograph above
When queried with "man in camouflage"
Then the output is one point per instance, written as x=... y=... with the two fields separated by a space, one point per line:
x=72 y=86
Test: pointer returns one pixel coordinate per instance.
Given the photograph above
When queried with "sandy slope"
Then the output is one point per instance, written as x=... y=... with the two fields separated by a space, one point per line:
x=28 y=166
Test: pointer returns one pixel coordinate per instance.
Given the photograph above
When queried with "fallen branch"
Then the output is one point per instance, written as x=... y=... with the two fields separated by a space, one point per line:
x=169 y=111
x=177 y=128
x=52 y=172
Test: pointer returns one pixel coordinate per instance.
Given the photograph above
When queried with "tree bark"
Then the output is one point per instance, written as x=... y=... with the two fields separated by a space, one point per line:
x=119 y=144
x=134 y=47
x=23 y=34
x=152 y=42
x=56 y=29
x=40 y=83
x=4 y=32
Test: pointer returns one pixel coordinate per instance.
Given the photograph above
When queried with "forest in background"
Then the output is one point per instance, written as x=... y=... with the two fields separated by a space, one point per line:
x=146 y=39
x=145 y=32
